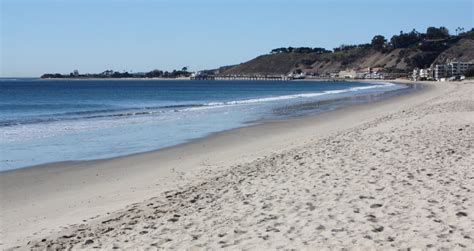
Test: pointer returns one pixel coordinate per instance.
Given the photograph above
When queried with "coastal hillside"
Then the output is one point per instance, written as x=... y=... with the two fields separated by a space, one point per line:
x=401 y=53
x=463 y=50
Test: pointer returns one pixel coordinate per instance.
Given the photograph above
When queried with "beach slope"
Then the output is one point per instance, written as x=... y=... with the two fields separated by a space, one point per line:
x=392 y=174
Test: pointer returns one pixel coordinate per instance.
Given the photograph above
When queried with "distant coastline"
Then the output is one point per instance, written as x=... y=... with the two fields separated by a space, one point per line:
x=405 y=55
x=110 y=74
x=124 y=79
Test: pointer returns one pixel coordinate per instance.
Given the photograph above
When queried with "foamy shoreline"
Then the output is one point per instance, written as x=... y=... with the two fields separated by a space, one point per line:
x=302 y=183
x=16 y=131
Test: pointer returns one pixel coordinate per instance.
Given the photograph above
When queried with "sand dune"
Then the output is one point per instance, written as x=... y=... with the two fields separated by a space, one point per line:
x=401 y=177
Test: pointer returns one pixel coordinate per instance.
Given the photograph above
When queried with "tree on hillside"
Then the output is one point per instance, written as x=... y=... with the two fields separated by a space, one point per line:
x=405 y=40
x=422 y=60
x=378 y=42
x=303 y=50
x=459 y=30
x=344 y=47
x=320 y=50
x=279 y=50
x=469 y=34
x=317 y=50
x=154 y=74
x=437 y=33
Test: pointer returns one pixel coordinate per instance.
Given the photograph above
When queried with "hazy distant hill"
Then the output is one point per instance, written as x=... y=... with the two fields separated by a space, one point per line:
x=401 y=54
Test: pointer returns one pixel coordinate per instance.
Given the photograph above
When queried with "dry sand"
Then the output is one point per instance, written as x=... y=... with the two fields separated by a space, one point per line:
x=393 y=174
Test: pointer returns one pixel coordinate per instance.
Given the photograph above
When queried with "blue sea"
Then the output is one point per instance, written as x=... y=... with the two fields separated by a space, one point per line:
x=45 y=121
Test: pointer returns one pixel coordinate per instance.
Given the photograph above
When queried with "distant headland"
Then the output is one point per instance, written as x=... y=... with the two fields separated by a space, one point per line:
x=110 y=74
x=382 y=58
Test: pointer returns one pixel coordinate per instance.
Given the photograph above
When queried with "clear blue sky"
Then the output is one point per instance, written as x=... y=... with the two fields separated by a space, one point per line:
x=39 y=36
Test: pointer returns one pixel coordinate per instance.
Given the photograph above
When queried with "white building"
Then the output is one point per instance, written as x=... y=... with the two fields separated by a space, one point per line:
x=451 y=69
x=377 y=75
x=423 y=74
x=458 y=68
x=348 y=74
x=362 y=74
x=426 y=73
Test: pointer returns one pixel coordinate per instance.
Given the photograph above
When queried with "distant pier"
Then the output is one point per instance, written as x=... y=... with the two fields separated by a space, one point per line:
x=243 y=77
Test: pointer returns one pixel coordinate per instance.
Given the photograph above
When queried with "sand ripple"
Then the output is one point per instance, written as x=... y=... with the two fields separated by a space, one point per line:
x=403 y=180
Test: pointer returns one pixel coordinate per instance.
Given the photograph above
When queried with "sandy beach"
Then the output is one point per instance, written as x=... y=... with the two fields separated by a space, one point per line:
x=396 y=173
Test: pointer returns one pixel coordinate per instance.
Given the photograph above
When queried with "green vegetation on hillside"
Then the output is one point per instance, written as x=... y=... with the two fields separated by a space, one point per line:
x=401 y=53
x=434 y=38
x=317 y=50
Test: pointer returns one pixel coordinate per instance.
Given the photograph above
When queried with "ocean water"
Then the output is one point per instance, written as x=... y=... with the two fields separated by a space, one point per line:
x=45 y=121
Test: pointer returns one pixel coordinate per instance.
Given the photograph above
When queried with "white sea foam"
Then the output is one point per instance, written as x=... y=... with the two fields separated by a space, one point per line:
x=288 y=97
x=43 y=130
